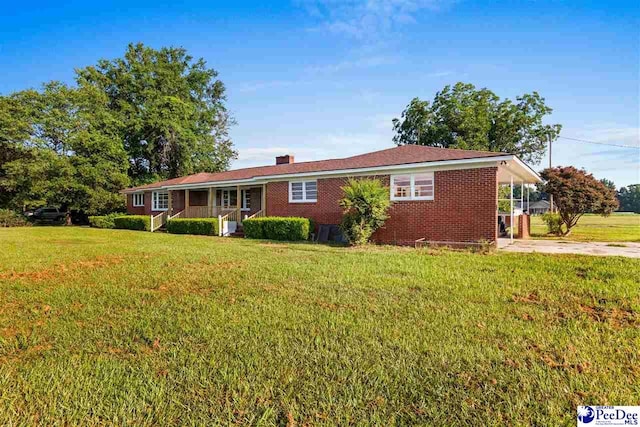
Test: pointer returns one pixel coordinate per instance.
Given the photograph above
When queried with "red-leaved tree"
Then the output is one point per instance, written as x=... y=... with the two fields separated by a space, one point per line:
x=576 y=192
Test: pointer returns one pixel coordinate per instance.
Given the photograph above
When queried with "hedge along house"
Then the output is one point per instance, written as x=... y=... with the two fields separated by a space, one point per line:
x=437 y=194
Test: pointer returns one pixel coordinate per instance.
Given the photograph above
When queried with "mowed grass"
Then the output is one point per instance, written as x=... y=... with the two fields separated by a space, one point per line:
x=121 y=327
x=595 y=228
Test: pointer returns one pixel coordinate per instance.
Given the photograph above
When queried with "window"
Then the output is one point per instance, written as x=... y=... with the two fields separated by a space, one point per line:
x=418 y=186
x=138 y=199
x=160 y=201
x=303 y=191
x=229 y=199
x=246 y=200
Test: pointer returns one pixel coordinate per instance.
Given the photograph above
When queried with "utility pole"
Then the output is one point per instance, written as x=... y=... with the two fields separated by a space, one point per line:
x=550 y=166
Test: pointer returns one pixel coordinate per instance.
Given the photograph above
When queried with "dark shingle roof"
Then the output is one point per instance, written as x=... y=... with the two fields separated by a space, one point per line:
x=405 y=154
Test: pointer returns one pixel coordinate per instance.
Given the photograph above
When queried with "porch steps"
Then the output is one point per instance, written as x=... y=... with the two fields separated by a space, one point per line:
x=238 y=233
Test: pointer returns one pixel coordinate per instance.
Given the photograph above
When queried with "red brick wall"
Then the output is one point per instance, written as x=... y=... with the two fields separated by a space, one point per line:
x=137 y=210
x=464 y=208
x=142 y=210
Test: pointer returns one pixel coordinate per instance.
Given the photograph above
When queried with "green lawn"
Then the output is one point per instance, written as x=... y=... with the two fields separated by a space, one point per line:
x=595 y=228
x=123 y=327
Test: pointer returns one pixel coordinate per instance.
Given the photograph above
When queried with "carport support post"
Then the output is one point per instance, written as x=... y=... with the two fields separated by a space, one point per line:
x=511 y=203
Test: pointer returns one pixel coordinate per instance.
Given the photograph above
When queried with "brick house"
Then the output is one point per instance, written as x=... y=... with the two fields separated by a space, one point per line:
x=437 y=194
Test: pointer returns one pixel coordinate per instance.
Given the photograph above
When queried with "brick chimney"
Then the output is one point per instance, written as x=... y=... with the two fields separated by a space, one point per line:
x=284 y=160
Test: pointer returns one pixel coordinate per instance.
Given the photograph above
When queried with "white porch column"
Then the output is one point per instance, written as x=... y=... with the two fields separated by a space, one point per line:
x=238 y=202
x=210 y=201
x=511 y=203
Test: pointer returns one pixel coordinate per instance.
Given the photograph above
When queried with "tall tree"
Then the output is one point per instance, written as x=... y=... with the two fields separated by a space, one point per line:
x=465 y=117
x=629 y=198
x=608 y=183
x=172 y=110
x=68 y=151
x=576 y=192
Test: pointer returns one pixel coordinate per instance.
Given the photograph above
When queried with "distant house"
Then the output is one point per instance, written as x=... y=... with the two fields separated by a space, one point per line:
x=533 y=208
x=539 y=207
x=437 y=194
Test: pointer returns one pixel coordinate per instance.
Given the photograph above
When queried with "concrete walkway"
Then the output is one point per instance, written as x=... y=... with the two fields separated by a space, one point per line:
x=625 y=249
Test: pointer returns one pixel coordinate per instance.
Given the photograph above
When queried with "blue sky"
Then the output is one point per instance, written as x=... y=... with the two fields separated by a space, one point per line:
x=324 y=78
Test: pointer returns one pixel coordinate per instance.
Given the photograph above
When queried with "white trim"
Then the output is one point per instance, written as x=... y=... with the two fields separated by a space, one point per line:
x=154 y=204
x=473 y=163
x=304 y=191
x=133 y=199
x=412 y=187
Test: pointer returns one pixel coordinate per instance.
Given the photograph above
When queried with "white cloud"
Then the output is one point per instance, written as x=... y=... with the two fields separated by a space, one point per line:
x=363 y=62
x=317 y=147
x=367 y=19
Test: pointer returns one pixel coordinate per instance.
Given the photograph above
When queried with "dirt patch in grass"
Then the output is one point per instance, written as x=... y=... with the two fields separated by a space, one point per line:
x=616 y=316
x=612 y=312
x=60 y=270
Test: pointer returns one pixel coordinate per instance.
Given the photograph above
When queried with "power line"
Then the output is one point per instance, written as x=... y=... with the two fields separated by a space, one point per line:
x=599 y=143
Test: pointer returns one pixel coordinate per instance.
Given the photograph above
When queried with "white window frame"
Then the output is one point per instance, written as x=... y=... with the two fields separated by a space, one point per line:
x=304 y=199
x=155 y=199
x=225 y=198
x=246 y=199
x=412 y=195
x=134 y=200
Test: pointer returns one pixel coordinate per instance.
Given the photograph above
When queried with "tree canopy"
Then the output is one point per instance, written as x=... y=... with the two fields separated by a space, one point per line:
x=152 y=114
x=462 y=116
x=576 y=192
x=629 y=198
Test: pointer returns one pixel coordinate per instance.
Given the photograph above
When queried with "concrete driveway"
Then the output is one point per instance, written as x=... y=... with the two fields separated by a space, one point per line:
x=625 y=249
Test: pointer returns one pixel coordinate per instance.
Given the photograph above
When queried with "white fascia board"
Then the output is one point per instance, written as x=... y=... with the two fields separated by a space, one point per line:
x=528 y=169
x=426 y=166
x=520 y=171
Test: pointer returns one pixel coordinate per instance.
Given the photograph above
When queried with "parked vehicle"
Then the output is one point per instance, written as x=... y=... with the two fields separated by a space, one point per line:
x=47 y=214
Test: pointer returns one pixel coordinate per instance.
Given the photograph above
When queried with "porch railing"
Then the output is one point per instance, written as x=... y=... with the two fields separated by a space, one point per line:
x=207 y=212
x=196 y=212
x=258 y=214
x=177 y=215
x=158 y=221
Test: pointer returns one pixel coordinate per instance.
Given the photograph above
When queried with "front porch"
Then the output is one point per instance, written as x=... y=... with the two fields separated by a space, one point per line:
x=231 y=205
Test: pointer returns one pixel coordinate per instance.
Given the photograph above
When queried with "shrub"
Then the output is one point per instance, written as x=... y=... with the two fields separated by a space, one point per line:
x=253 y=228
x=576 y=192
x=133 y=222
x=9 y=218
x=277 y=228
x=554 y=223
x=104 y=221
x=204 y=226
x=365 y=205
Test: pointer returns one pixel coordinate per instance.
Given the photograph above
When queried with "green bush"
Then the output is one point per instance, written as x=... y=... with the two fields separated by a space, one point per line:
x=253 y=228
x=365 y=205
x=133 y=222
x=554 y=223
x=277 y=228
x=104 y=221
x=9 y=218
x=204 y=226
